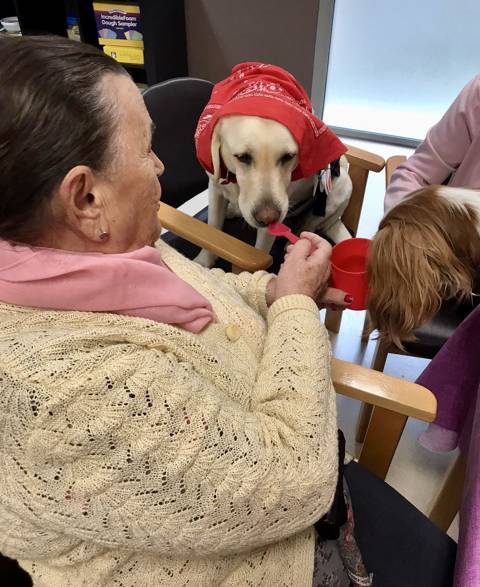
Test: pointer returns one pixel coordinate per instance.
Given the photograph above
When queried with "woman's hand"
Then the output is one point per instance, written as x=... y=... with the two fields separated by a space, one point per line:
x=306 y=270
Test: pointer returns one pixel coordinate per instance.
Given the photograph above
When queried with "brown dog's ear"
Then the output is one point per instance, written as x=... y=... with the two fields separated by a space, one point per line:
x=215 y=152
x=425 y=251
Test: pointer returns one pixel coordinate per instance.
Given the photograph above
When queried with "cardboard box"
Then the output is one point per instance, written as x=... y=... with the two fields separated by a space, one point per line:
x=118 y=24
x=125 y=54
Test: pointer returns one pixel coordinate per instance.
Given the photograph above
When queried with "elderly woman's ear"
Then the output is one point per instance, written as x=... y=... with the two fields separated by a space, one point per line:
x=79 y=206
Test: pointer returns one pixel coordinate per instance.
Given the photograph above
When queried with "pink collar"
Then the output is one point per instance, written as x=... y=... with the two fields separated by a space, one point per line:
x=137 y=283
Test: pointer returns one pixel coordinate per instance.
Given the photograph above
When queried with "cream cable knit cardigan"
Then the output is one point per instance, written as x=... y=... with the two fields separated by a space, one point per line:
x=136 y=454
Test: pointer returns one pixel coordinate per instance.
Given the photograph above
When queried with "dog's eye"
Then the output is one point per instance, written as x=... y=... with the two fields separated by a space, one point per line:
x=286 y=158
x=245 y=158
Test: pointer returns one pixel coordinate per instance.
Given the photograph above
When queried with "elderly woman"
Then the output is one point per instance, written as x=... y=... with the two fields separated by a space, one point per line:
x=161 y=424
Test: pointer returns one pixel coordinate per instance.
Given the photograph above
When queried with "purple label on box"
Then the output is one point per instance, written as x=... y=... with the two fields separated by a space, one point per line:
x=119 y=24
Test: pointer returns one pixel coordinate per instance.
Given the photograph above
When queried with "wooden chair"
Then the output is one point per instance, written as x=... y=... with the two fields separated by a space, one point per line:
x=446 y=503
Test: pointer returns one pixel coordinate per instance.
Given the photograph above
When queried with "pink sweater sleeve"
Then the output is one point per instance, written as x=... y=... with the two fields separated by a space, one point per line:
x=442 y=150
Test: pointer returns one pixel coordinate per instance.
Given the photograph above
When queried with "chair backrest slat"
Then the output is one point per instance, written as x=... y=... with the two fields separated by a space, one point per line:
x=360 y=164
x=351 y=216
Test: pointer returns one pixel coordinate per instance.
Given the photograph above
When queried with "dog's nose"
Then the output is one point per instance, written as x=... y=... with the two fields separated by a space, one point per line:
x=266 y=215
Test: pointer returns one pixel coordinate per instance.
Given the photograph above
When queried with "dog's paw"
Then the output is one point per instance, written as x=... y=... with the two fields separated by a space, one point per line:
x=205 y=259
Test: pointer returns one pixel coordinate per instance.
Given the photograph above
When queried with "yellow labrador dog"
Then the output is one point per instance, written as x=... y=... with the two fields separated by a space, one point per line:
x=262 y=154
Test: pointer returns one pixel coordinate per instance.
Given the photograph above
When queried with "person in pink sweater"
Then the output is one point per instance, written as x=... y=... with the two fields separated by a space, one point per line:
x=450 y=153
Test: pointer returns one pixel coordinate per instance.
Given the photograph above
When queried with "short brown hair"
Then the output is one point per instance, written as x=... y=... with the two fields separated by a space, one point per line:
x=52 y=118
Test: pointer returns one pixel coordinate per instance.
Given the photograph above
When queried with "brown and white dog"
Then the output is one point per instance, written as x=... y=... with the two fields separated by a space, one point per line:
x=262 y=154
x=426 y=250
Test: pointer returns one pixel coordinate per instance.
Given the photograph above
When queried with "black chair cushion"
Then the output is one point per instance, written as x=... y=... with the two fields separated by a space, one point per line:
x=175 y=107
x=399 y=545
x=433 y=335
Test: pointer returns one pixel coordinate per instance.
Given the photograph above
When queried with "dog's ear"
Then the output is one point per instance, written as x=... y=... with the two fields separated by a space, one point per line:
x=215 y=152
x=425 y=251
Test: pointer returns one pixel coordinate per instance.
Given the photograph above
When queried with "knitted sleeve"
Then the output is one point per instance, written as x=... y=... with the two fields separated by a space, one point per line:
x=251 y=286
x=145 y=450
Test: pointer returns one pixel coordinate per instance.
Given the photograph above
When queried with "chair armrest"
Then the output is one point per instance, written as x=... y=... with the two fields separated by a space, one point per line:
x=384 y=391
x=391 y=165
x=233 y=250
x=364 y=159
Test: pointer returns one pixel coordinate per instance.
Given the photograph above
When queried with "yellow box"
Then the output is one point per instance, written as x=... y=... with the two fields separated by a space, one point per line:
x=121 y=43
x=118 y=24
x=132 y=55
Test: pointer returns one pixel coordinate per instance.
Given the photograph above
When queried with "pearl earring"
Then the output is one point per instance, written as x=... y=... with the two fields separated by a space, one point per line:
x=103 y=235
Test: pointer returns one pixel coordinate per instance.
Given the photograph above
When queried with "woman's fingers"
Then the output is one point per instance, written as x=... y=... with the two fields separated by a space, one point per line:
x=317 y=243
x=320 y=257
x=314 y=240
x=312 y=237
x=335 y=297
x=315 y=252
x=300 y=250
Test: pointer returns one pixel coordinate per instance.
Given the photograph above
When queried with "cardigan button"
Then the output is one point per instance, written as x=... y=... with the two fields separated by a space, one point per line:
x=233 y=332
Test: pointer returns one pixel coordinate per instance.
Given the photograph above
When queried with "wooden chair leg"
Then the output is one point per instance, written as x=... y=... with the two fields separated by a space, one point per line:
x=447 y=501
x=366 y=326
x=363 y=422
x=333 y=320
x=380 y=355
x=381 y=441
x=378 y=363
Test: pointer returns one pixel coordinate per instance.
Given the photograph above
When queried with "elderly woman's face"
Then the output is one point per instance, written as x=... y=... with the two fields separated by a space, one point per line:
x=131 y=190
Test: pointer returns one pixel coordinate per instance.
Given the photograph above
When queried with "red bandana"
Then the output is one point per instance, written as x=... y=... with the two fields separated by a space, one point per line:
x=268 y=91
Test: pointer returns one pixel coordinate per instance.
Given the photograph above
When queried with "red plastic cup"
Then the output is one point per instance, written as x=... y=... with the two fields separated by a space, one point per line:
x=349 y=270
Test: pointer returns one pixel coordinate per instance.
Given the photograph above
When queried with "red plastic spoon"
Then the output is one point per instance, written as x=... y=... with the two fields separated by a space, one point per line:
x=279 y=229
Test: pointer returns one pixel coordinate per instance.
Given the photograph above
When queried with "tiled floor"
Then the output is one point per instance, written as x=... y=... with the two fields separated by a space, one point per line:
x=415 y=472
